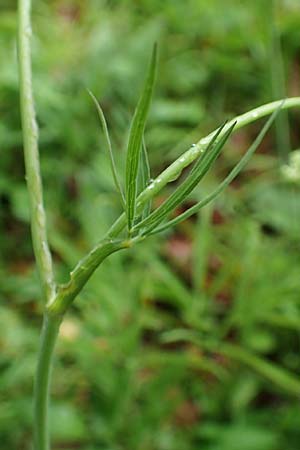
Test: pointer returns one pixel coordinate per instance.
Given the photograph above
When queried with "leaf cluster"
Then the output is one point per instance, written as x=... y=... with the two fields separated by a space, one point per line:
x=141 y=220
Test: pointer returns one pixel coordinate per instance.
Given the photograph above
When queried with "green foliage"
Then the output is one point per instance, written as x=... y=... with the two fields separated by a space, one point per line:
x=230 y=274
x=199 y=170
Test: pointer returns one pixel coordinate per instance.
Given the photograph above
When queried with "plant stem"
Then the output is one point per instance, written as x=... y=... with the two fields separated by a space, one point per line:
x=174 y=170
x=42 y=381
x=79 y=276
x=31 y=154
x=38 y=227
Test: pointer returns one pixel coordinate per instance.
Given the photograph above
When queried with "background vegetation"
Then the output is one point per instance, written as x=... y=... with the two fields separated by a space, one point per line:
x=191 y=340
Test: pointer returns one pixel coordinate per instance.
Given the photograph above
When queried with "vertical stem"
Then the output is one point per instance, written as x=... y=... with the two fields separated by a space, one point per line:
x=31 y=154
x=42 y=381
x=38 y=227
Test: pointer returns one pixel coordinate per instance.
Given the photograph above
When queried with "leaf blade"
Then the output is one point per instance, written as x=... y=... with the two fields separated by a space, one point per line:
x=135 y=139
x=145 y=173
x=197 y=173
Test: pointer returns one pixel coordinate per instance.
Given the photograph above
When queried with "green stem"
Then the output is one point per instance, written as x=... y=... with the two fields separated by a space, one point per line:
x=31 y=154
x=79 y=276
x=38 y=226
x=174 y=170
x=42 y=381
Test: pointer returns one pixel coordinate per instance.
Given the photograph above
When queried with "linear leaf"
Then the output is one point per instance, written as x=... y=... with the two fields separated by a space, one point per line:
x=201 y=167
x=230 y=177
x=145 y=177
x=135 y=140
x=109 y=146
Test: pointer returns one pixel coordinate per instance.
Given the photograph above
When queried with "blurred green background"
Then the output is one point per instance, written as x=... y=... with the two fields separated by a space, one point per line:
x=190 y=340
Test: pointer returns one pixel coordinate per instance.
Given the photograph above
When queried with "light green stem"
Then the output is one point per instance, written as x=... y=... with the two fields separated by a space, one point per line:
x=31 y=154
x=79 y=276
x=38 y=226
x=42 y=381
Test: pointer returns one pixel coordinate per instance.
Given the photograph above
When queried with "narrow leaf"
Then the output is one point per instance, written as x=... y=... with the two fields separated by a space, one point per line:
x=230 y=177
x=145 y=177
x=135 y=140
x=109 y=146
x=201 y=167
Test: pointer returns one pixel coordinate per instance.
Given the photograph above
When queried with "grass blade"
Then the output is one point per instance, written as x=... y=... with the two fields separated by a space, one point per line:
x=109 y=147
x=135 y=140
x=230 y=177
x=197 y=173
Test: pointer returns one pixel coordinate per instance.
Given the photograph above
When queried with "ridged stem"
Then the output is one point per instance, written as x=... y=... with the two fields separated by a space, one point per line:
x=31 y=154
x=38 y=226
